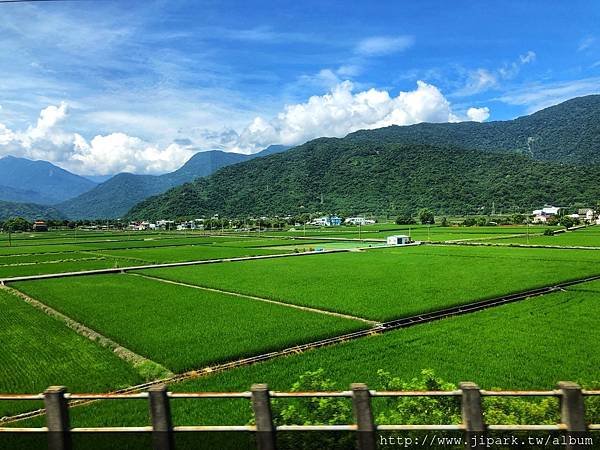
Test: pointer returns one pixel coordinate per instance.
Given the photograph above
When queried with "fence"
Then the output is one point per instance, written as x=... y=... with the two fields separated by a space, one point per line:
x=58 y=429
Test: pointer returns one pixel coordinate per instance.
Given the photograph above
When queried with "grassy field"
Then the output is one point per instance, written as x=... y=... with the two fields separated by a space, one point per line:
x=526 y=345
x=188 y=253
x=180 y=327
x=109 y=254
x=586 y=237
x=38 y=351
x=417 y=232
x=64 y=266
x=390 y=283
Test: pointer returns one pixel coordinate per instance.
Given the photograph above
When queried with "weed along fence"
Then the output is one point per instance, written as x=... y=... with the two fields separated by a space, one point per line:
x=573 y=430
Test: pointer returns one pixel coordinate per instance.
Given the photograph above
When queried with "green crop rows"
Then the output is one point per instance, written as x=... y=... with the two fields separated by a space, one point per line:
x=38 y=351
x=180 y=327
x=384 y=284
x=526 y=345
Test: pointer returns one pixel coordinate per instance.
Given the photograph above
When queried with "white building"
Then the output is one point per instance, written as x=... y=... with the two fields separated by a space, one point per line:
x=327 y=221
x=358 y=221
x=399 y=239
x=586 y=214
x=542 y=215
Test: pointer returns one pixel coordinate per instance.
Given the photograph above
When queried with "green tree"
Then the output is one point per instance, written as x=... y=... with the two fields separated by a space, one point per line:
x=16 y=224
x=405 y=220
x=426 y=216
x=401 y=410
x=567 y=222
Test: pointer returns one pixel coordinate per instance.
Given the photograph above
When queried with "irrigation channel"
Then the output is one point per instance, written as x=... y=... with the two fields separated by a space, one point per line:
x=376 y=330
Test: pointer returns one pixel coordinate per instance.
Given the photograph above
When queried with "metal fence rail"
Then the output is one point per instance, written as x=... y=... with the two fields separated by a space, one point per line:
x=59 y=430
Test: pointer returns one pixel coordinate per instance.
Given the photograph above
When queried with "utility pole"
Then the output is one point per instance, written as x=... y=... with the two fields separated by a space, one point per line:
x=9 y=237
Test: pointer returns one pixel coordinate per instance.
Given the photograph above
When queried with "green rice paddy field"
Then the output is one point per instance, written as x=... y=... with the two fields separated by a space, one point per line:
x=180 y=327
x=526 y=345
x=588 y=237
x=38 y=351
x=383 y=284
x=530 y=344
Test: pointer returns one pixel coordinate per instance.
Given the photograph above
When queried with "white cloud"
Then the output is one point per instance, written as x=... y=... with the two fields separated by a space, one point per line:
x=527 y=57
x=478 y=81
x=586 y=43
x=342 y=111
x=334 y=114
x=539 y=96
x=481 y=80
x=478 y=114
x=115 y=152
x=383 y=45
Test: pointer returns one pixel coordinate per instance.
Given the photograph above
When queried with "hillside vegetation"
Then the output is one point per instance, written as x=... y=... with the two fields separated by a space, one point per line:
x=343 y=176
x=565 y=133
x=22 y=180
x=114 y=197
x=452 y=168
x=29 y=211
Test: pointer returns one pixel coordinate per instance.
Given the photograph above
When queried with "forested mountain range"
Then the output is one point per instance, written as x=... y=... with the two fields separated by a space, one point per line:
x=567 y=133
x=551 y=156
x=23 y=180
x=114 y=197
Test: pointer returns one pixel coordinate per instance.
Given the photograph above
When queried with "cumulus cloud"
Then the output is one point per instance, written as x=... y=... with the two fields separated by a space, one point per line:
x=478 y=114
x=342 y=111
x=383 y=45
x=108 y=154
x=334 y=114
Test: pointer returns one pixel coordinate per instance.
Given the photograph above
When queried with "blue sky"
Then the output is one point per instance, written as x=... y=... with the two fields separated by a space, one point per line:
x=101 y=87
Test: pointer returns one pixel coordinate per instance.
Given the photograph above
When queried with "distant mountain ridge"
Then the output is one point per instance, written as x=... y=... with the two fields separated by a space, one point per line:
x=114 y=197
x=29 y=211
x=568 y=133
x=23 y=180
x=550 y=156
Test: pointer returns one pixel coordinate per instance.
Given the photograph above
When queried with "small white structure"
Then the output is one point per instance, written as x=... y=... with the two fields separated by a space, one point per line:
x=358 y=221
x=399 y=239
x=542 y=215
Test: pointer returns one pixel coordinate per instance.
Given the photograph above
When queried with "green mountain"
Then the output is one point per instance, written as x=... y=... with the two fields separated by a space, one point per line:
x=547 y=157
x=337 y=175
x=23 y=180
x=116 y=196
x=29 y=211
x=568 y=133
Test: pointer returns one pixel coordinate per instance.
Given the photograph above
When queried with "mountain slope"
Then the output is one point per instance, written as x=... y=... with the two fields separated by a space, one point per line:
x=116 y=196
x=352 y=178
x=29 y=211
x=38 y=181
x=450 y=167
x=567 y=133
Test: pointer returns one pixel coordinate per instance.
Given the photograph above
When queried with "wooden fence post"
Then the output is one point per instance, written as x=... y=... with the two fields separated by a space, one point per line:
x=472 y=415
x=361 y=404
x=57 y=418
x=160 y=414
x=263 y=416
x=572 y=410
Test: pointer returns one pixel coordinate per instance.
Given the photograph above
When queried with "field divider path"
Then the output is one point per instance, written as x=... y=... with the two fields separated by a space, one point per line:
x=301 y=348
x=510 y=245
x=3 y=281
x=260 y=299
x=142 y=364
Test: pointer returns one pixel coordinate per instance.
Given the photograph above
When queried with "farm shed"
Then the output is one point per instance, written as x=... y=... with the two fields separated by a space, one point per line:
x=399 y=239
x=40 y=225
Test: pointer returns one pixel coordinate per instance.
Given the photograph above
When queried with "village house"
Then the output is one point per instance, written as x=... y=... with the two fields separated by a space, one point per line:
x=542 y=215
x=40 y=225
